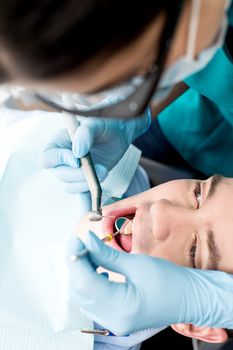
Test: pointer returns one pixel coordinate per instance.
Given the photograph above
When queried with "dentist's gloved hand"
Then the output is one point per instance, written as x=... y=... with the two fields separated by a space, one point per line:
x=106 y=139
x=156 y=292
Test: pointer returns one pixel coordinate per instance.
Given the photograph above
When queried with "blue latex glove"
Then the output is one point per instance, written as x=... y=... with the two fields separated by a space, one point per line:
x=106 y=139
x=156 y=292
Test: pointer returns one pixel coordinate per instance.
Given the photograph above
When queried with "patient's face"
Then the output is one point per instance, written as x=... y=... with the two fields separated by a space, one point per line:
x=188 y=222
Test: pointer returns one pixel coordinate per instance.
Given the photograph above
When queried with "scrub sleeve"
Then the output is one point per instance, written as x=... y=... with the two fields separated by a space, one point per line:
x=199 y=124
x=196 y=130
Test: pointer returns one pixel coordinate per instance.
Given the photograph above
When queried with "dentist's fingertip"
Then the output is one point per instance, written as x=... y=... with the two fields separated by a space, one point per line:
x=77 y=249
x=65 y=157
x=90 y=235
x=82 y=142
x=76 y=245
x=92 y=240
x=79 y=255
x=74 y=162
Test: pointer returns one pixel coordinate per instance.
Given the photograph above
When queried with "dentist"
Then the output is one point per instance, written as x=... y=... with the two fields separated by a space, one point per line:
x=115 y=59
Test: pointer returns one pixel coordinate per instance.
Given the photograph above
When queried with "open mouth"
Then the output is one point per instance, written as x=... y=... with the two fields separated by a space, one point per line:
x=123 y=240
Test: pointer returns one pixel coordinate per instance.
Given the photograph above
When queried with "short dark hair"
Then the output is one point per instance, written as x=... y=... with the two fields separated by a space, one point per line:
x=229 y=333
x=3 y=75
x=46 y=38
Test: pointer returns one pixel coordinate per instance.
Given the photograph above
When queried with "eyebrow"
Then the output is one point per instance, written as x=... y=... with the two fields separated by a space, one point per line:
x=214 y=182
x=213 y=252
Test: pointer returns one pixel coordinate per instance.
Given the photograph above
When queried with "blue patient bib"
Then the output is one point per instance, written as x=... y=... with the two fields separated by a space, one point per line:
x=37 y=217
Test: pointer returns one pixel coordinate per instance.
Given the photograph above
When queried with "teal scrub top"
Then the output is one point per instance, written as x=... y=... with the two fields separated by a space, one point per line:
x=199 y=124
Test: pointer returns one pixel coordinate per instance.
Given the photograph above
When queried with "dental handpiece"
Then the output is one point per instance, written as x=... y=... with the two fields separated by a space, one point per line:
x=89 y=171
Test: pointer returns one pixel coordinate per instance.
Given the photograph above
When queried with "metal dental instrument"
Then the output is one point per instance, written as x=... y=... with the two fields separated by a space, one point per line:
x=89 y=171
x=124 y=225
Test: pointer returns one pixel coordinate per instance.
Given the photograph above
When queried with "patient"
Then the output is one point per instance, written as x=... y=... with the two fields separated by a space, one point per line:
x=188 y=222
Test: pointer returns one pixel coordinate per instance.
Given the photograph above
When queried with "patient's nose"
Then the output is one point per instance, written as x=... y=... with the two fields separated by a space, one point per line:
x=169 y=219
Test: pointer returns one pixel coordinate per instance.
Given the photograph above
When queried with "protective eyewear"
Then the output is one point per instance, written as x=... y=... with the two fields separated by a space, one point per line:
x=128 y=99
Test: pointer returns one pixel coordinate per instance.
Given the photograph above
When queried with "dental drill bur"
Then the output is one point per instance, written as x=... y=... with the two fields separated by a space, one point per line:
x=89 y=171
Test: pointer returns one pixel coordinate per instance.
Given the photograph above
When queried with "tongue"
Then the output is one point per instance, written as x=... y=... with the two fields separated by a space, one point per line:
x=126 y=242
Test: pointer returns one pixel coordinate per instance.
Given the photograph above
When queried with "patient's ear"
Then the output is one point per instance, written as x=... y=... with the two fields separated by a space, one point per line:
x=207 y=334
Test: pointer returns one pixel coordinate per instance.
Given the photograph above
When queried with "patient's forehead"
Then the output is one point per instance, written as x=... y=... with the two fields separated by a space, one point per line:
x=218 y=214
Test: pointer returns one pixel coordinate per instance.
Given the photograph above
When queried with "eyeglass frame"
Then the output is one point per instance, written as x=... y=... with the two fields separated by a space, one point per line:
x=135 y=104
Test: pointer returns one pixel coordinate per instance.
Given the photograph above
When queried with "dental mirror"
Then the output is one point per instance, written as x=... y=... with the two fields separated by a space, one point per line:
x=124 y=225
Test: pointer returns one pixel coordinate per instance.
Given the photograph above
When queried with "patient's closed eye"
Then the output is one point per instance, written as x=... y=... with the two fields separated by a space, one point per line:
x=193 y=253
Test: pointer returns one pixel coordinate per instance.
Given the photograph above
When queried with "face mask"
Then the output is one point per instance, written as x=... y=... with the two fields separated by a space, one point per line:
x=176 y=72
x=188 y=65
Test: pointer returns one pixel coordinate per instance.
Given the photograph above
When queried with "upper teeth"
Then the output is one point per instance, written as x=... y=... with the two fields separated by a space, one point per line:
x=128 y=228
x=124 y=225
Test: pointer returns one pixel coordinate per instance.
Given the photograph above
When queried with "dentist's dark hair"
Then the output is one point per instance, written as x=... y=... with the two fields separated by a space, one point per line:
x=46 y=38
